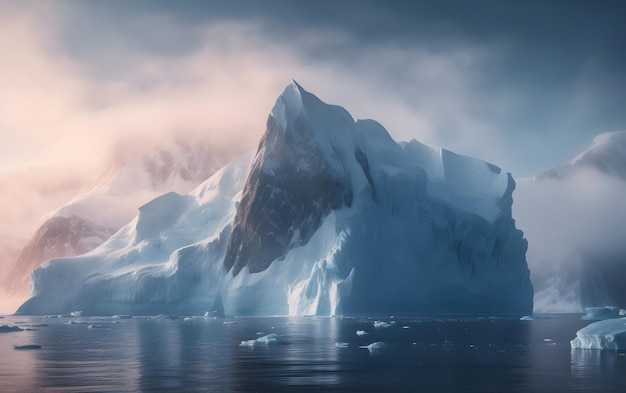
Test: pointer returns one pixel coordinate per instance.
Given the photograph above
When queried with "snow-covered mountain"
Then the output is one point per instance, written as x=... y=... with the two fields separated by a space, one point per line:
x=136 y=172
x=607 y=155
x=574 y=218
x=331 y=216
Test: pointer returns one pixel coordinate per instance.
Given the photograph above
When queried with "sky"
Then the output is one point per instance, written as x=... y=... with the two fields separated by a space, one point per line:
x=525 y=85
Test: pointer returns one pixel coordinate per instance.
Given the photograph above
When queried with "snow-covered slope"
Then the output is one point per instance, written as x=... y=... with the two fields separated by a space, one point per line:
x=574 y=218
x=136 y=172
x=331 y=216
x=606 y=155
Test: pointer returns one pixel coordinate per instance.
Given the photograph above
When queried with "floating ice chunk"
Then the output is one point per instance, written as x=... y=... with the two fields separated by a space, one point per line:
x=7 y=329
x=122 y=316
x=76 y=313
x=547 y=340
x=527 y=318
x=270 y=338
x=264 y=340
x=164 y=316
x=374 y=346
x=381 y=324
x=599 y=313
x=341 y=345
x=607 y=334
x=248 y=343
x=405 y=327
x=361 y=333
x=28 y=346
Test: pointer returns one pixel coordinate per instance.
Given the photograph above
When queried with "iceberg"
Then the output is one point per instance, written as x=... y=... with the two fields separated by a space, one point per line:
x=599 y=313
x=607 y=334
x=330 y=216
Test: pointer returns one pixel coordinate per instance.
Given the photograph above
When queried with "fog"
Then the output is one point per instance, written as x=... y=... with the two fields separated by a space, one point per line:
x=576 y=229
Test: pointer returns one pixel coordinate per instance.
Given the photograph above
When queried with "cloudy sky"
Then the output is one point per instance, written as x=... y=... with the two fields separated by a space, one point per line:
x=523 y=84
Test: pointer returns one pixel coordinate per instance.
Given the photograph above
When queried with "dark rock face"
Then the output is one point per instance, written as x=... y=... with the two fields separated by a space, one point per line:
x=289 y=191
x=57 y=237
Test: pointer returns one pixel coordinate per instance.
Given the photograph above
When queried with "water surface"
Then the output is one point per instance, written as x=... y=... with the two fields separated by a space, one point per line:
x=426 y=354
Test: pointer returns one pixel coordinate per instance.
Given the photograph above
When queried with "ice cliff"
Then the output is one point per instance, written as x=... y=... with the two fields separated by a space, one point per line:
x=331 y=216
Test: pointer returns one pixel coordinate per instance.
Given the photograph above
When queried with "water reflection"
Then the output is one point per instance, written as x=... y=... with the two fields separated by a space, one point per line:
x=197 y=355
x=304 y=356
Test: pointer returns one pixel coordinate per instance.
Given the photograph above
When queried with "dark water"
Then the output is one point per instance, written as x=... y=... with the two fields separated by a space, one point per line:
x=465 y=355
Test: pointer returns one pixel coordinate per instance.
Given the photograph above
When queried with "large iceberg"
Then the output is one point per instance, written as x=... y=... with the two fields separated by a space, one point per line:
x=330 y=216
x=607 y=334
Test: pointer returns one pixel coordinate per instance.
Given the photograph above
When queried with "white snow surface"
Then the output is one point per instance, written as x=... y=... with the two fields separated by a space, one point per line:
x=427 y=231
x=607 y=334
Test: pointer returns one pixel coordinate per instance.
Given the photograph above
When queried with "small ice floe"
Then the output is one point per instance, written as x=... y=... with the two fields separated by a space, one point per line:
x=381 y=324
x=264 y=340
x=121 y=316
x=28 y=346
x=607 y=334
x=165 y=316
x=547 y=340
x=405 y=327
x=341 y=345
x=76 y=313
x=361 y=333
x=95 y=326
x=599 y=313
x=375 y=346
x=8 y=329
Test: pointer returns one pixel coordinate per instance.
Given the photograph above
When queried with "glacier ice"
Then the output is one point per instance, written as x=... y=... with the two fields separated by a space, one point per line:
x=607 y=334
x=599 y=313
x=331 y=216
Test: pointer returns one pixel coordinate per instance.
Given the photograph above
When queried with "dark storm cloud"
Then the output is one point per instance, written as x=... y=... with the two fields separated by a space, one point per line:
x=558 y=65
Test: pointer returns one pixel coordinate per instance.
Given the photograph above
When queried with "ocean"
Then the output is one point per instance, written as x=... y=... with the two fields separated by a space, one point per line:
x=142 y=354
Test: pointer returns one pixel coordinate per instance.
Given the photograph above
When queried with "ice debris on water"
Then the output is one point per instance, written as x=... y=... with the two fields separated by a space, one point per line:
x=7 y=329
x=76 y=313
x=28 y=346
x=264 y=340
x=381 y=324
x=341 y=345
x=121 y=316
x=374 y=346
x=361 y=333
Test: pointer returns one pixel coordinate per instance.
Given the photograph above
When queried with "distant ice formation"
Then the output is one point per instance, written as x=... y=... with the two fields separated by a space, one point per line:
x=598 y=313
